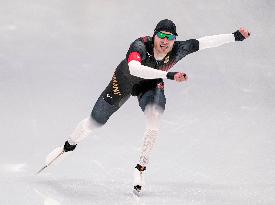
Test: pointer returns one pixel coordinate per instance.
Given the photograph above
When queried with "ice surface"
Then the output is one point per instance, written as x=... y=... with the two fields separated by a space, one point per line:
x=216 y=144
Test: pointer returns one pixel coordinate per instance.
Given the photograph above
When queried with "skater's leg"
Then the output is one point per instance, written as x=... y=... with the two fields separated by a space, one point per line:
x=82 y=130
x=152 y=114
x=110 y=100
x=101 y=112
x=153 y=105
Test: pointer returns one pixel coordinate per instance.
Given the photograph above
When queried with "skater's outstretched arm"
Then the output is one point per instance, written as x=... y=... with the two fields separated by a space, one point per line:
x=218 y=40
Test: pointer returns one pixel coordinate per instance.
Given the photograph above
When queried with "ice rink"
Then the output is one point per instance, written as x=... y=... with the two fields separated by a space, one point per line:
x=217 y=139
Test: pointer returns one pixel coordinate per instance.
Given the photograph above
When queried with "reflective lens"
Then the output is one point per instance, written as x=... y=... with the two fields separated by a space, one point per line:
x=169 y=37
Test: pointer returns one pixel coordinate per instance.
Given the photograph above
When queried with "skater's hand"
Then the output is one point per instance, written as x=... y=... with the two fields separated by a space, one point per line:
x=179 y=77
x=244 y=32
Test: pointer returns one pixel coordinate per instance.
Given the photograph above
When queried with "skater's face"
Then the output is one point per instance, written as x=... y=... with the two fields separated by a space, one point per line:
x=164 y=41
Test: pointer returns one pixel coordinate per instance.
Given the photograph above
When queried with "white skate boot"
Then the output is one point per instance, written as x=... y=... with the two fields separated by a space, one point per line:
x=57 y=155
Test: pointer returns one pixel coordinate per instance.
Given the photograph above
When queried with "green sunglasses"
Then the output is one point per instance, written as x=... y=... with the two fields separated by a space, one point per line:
x=170 y=37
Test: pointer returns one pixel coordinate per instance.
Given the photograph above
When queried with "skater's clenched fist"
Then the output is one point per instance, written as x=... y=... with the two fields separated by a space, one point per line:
x=179 y=77
x=244 y=32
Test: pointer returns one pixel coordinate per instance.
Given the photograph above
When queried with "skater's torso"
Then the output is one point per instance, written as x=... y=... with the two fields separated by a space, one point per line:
x=123 y=84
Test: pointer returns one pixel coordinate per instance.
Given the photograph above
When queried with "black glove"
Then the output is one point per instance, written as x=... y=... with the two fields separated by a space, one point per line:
x=67 y=147
x=171 y=75
x=239 y=36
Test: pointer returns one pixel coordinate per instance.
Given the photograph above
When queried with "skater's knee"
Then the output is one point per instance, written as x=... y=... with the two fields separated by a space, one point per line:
x=153 y=110
x=90 y=123
x=100 y=115
x=99 y=118
x=102 y=111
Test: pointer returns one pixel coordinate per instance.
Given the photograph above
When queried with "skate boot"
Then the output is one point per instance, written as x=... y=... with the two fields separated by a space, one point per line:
x=58 y=154
x=138 y=179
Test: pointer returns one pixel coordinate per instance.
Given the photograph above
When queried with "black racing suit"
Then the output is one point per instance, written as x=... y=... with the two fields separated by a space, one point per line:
x=123 y=84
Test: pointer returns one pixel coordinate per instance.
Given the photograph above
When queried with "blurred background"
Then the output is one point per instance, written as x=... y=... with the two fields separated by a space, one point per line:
x=216 y=144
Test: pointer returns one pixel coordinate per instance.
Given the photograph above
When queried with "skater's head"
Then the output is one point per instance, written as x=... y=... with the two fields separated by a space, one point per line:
x=164 y=36
x=167 y=26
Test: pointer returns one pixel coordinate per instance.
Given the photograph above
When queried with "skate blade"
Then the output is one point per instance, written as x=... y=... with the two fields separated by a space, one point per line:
x=40 y=170
x=51 y=161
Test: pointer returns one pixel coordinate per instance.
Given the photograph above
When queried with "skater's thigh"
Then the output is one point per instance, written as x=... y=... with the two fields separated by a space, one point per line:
x=152 y=98
x=104 y=108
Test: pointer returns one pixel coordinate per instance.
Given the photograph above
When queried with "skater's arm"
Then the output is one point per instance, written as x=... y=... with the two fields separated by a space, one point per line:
x=221 y=39
x=138 y=70
x=215 y=40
